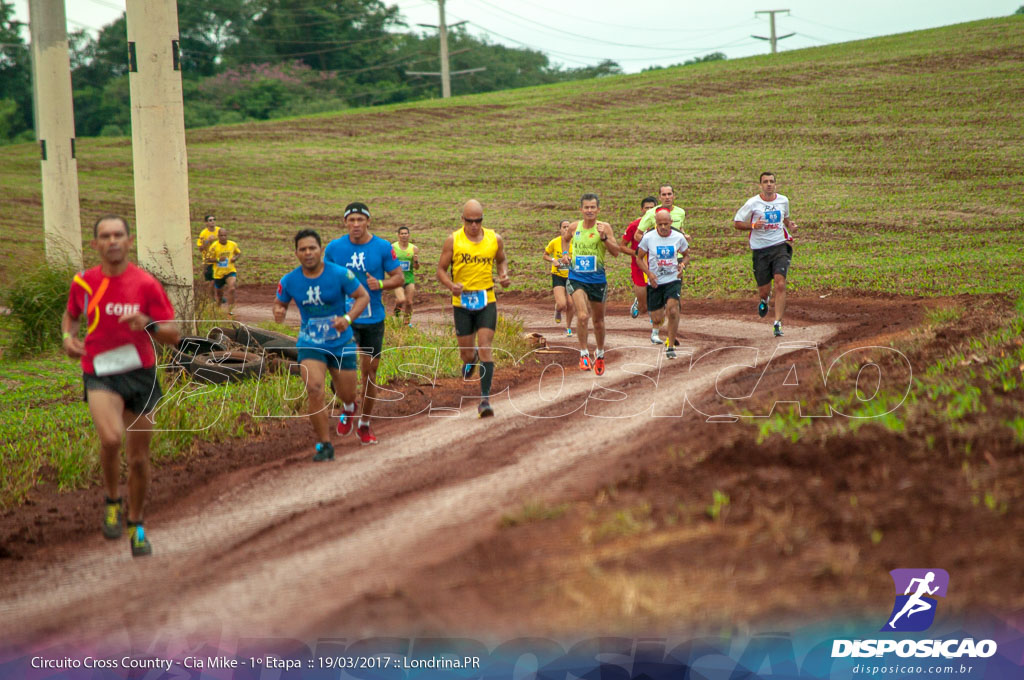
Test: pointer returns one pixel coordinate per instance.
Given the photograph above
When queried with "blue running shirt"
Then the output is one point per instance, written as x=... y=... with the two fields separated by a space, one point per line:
x=320 y=301
x=376 y=258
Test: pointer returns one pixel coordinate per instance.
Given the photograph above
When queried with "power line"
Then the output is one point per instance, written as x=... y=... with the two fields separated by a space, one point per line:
x=834 y=28
x=774 y=39
x=576 y=35
x=712 y=31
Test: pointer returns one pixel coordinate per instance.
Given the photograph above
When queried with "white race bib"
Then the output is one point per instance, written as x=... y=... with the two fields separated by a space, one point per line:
x=474 y=299
x=321 y=330
x=118 y=360
x=223 y=262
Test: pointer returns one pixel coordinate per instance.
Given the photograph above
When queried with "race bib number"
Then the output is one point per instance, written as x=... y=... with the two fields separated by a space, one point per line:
x=773 y=218
x=405 y=265
x=118 y=360
x=585 y=264
x=665 y=252
x=320 y=329
x=223 y=262
x=473 y=300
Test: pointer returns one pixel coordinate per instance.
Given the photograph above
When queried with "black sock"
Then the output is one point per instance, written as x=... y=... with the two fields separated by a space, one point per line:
x=486 y=373
x=110 y=500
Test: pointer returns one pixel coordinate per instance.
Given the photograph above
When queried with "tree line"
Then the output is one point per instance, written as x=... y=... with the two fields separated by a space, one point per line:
x=258 y=59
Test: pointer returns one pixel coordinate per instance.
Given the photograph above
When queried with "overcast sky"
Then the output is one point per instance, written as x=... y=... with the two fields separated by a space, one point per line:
x=641 y=33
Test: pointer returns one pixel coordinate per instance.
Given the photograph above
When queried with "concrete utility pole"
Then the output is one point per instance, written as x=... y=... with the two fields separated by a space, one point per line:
x=55 y=130
x=774 y=39
x=164 y=236
x=442 y=34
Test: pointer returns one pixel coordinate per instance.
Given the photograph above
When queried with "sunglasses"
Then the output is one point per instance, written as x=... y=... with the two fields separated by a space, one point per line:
x=473 y=221
x=212 y=219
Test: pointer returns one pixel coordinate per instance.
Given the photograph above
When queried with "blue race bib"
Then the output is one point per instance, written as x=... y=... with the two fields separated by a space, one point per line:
x=405 y=265
x=585 y=264
x=223 y=262
x=473 y=300
x=773 y=217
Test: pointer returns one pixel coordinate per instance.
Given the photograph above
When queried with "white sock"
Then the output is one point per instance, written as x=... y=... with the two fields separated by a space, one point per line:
x=349 y=407
x=584 y=352
x=600 y=354
x=364 y=422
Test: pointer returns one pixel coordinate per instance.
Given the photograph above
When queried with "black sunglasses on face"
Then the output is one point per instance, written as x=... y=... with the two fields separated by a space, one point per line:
x=473 y=221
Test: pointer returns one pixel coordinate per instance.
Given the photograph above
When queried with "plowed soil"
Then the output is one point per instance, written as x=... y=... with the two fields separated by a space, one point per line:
x=428 y=532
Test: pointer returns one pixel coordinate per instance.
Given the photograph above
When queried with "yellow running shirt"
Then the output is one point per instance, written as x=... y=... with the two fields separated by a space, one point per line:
x=221 y=255
x=554 y=249
x=203 y=249
x=472 y=266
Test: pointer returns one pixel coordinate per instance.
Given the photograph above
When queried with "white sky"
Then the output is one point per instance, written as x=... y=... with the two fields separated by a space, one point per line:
x=641 y=33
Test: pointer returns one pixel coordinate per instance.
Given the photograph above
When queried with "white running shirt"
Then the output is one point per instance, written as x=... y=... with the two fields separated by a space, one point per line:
x=662 y=252
x=773 y=212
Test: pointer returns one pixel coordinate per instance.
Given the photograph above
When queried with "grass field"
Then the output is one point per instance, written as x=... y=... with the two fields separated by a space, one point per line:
x=901 y=156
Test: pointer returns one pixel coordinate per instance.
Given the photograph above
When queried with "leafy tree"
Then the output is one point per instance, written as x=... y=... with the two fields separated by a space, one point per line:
x=15 y=76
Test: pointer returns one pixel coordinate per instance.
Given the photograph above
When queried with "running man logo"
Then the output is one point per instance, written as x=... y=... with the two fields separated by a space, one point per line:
x=914 y=609
x=313 y=296
x=358 y=262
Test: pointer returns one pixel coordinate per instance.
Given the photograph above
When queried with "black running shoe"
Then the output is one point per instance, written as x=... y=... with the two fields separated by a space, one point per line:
x=484 y=410
x=778 y=329
x=324 y=451
x=762 y=308
x=467 y=369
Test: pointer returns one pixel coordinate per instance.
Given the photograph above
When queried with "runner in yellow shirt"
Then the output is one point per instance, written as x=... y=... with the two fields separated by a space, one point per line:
x=472 y=252
x=225 y=254
x=557 y=249
x=207 y=236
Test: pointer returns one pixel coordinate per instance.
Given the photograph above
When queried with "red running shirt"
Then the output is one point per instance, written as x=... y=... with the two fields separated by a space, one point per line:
x=104 y=299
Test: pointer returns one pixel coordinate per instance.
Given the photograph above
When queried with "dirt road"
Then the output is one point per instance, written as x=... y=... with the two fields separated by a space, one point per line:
x=280 y=548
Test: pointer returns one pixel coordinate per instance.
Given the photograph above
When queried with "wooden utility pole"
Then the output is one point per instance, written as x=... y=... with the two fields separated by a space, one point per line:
x=774 y=39
x=164 y=236
x=445 y=73
x=55 y=130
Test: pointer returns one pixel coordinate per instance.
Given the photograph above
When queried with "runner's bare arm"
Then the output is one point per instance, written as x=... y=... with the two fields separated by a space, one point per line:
x=685 y=262
x=164 y=332
x=360 y=299
x=396 y=279
x=502 y=262
x=280 y=308
x=611 y=244
x=415 y=257
x=790 y=224
x=641 y=261
x=73 y=347
x=447 y=252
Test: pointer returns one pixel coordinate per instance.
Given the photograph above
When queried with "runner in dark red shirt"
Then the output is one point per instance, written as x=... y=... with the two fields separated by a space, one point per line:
x=630 y=240
x=125 y=310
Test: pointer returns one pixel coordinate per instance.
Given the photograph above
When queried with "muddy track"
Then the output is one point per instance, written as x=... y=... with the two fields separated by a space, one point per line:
x=305 y=541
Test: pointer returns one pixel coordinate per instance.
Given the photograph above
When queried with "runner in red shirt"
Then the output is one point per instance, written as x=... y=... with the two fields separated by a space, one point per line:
x=630 y=240
x=125 y=310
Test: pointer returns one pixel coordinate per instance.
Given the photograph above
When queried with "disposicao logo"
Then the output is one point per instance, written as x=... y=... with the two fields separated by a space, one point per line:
x=915 y=605
x=914 y=611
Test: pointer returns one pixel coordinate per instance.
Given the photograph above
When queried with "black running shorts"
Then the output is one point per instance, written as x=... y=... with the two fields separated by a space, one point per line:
x=659 y=297
x=139 y=389
x=468 y=322
x=771 y=261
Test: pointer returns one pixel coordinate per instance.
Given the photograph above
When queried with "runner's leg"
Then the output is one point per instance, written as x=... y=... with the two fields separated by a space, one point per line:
x=316 y=372
x=580 y=302
x=139 y=436
x=410 y=299
x=598 y=311
x=106 y=409
x=672 y=312
x=780 y=296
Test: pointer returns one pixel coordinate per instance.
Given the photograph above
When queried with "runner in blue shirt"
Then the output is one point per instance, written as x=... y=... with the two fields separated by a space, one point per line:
x=322 y=291
x=373 y=261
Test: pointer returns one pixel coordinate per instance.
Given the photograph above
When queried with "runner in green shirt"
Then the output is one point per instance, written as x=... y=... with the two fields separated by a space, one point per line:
x=408 y=259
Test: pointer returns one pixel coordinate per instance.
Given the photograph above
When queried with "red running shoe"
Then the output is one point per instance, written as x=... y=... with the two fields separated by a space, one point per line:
x=365 y=436
x=584 y=362
x=599 y=366
x=346 y=421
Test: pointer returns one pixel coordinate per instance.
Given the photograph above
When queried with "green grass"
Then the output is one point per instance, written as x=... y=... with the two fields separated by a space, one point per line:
x=901 y=156
x=46 y=431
